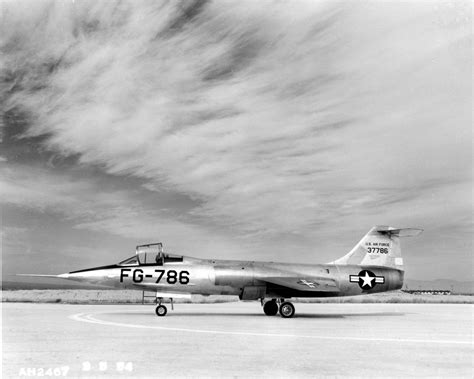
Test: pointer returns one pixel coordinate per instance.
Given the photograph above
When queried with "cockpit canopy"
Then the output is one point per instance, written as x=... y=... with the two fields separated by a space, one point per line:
x=151 y=254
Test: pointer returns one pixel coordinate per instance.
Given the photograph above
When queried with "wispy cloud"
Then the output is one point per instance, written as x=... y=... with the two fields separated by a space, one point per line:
x=277 y=119
x=85 y=204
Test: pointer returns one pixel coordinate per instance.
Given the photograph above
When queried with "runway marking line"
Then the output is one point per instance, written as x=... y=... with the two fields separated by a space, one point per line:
x=88 y=317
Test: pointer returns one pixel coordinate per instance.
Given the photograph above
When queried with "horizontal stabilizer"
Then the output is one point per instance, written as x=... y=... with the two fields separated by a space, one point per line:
x=305 y=284
x=402 y=232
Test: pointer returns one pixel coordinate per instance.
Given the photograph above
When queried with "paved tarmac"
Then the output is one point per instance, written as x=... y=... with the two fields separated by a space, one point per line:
x=237 y=340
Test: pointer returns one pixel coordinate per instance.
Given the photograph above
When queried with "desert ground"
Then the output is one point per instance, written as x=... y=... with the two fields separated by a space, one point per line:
x=235 y=339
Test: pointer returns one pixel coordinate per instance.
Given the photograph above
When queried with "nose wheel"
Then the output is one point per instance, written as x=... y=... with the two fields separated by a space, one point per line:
x=161 y=310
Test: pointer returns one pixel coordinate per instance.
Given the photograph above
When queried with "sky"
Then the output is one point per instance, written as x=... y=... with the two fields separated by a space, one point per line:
x=269 y=130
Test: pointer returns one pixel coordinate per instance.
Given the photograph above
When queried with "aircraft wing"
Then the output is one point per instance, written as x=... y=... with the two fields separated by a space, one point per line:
x=162 y=292
x=309 y=284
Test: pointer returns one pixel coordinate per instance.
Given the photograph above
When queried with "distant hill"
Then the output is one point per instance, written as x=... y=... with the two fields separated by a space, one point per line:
x=410 y=284
x=440 y=284
x=12 y=285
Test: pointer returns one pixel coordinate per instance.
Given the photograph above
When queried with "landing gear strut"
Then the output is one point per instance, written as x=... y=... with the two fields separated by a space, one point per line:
x=272 y=307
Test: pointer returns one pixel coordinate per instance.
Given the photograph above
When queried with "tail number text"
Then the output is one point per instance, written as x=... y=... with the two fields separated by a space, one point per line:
x=377 y=250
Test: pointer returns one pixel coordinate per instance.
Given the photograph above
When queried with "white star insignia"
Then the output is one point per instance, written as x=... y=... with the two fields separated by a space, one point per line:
x=367 y=280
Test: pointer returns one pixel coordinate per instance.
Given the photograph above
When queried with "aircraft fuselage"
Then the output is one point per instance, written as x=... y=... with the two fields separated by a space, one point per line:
x=246 y=279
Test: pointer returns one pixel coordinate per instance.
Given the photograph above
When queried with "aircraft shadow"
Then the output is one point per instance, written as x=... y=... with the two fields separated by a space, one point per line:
x=261 y=315
x=347 y=315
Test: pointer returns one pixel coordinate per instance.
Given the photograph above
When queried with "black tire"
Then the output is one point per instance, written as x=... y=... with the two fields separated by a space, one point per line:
x=287 y=310
x=161 y=310
x=270 y=308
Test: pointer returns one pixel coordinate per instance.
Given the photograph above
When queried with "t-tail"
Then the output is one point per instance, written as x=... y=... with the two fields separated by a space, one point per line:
x=379 y=247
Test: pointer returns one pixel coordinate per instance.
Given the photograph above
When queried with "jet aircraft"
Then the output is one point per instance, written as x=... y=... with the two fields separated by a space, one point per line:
x=374 y=265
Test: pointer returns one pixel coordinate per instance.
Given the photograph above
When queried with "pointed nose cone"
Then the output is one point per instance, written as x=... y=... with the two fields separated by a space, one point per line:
x=77 y=276
x=104 y=275
x=83 y=275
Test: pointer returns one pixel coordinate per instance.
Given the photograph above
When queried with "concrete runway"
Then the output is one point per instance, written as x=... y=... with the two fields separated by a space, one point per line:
x=238 y=340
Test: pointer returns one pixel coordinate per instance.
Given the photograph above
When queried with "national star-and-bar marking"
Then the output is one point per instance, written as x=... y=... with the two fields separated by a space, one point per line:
x=366 y=279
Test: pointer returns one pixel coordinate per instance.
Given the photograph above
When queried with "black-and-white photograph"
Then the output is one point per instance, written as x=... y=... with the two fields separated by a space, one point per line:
x=236 y=188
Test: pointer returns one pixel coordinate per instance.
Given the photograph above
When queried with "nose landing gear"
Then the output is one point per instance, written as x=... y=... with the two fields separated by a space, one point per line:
x=273 y=306
x=161 y=309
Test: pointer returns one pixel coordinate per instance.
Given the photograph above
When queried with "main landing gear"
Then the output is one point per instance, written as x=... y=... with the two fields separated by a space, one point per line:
x=287 y=309
x=272 y=307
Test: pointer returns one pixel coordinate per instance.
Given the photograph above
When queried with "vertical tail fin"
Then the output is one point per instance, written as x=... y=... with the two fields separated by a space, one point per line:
x=379 y=247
